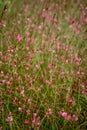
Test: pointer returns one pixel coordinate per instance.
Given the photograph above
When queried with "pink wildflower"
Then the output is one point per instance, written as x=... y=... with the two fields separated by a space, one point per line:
x=49 y=112
x=20 y=109
x=65 y=115
x=28 y=112
x=26 y=122
x=48 y=82
x=19 y=38
x=75 y=118
x=9 y=118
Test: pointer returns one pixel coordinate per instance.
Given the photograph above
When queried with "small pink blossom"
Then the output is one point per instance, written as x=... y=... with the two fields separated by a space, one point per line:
x=49 y=112
x=36 y=120
x=48 y=82
x=20 y=109
x=8 y=83
x=70 y=100
x=33 y=25
x=65 y=115
x=50 y=66
x=62 y=73
x=19 y=38
x=44 y=13
x=11 y=91
x=9 y=118
x=49 y=19
x=75 y=118
x=28 y=112
x=52 y=85
x=78 y=60
x=22 y=92
x=26 y=122
x=84 y=92
x=28 y=100
x=1 y=62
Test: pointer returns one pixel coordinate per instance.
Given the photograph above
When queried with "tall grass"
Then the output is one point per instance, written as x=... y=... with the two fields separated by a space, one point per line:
x=43 y=65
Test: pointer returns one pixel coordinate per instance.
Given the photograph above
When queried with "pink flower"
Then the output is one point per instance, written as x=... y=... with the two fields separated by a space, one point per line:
x=7 y=82
x=9 y=118
x=50 y=66
x=64 y=114
x=48 y=82
x=78 y=60
x=49 y=112
x=36 y=120
x=26 y=122
x=19 y=38
x=28 y=112
x=52 y=85
x=84 y=92
x=33 y=25
x=68 y=117
x=22 y=92
x=20 y=108
x=44 y=13
x=70 y=100
x=75 y=118
x=49 y=19
x=62 y=73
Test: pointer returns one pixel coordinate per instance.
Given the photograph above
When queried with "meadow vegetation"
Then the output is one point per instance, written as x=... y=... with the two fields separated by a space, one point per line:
x=43 y=65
